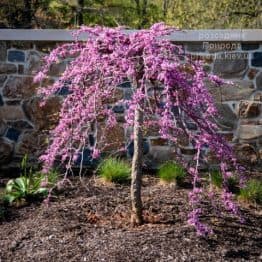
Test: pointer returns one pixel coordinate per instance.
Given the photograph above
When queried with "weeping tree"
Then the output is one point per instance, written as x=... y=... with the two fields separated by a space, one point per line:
x=168 y=92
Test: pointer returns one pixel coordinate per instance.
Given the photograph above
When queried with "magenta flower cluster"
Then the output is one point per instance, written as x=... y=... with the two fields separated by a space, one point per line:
x=168 y=86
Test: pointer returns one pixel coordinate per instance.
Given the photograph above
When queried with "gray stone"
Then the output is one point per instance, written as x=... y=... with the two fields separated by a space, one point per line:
x=227 y=120
x=249 y=109
x=230 y=65
x=19 y=87
x=2 y=79
x=33 y=62
x=6 y=150
x=257 y=59
x=3 y=127
x=11 y=113
x=213 y=47
x=258 y=96
x=248 y=132
x=45 y=117
x=250 y=46
x=195 y=47
x=16 y=56
x=3 y=51
x=7 y=68
x=1 y=101
x=259 y=81
x=57 y=69
x=239 y=90
x=20 y=124
x=246 y=154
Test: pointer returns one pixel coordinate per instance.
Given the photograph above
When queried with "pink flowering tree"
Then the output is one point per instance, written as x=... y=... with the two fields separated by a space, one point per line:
x=169 y=89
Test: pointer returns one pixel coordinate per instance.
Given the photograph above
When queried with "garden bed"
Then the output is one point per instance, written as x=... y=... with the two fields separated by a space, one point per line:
x=89 y=221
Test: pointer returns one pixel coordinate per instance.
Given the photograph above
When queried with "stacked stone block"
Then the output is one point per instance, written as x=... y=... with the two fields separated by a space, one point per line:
x=24 y=125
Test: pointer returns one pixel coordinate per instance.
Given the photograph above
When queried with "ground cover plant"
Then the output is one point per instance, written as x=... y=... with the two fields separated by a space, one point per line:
x=29 y=186
x=114 y=170
x=171 y=172
x=169 y=91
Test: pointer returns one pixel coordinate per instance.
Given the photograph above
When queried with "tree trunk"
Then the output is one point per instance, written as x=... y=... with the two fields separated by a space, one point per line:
x=136 y=216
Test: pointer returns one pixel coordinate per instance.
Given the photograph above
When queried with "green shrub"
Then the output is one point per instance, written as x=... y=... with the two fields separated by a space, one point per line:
x=29 y=186
x=115 y=170
x=171 y=172
x=217 y=180
x=252 y=191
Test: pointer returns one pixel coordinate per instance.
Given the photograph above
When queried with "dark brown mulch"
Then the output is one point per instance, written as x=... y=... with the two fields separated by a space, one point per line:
x=90 y=222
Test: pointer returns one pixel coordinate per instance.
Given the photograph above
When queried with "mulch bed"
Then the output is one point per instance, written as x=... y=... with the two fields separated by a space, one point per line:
x=90 y=222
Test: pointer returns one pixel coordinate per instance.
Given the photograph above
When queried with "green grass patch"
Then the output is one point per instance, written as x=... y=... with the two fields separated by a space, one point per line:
x=252 y=192
x=115 y=170
x=171 y=172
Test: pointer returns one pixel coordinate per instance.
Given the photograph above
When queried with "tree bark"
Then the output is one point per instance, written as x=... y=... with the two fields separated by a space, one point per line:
x=136 y=201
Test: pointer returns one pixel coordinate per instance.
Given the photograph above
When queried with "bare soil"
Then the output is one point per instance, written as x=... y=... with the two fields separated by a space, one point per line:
x=89 y=221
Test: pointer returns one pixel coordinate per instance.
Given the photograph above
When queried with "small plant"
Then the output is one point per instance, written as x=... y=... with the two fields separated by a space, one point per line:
x=29 y=186
x=114 y=170
x=171 y=172
x=217 y=180
x=252 y=191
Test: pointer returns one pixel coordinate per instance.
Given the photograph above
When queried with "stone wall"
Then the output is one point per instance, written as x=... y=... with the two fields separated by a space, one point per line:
x=24 y=125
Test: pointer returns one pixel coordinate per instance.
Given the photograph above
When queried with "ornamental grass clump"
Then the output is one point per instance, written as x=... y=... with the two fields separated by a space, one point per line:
x=252 y=192
x=217 y=180
x=171 y=172
x=115 y=170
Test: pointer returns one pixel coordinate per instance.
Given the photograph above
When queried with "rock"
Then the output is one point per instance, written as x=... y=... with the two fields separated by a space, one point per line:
x=6 y=150
x=257 y=59
x=158 y=155
x=230 y=65
x=213 y=47
x=31 y=143
x=3 y=127
x=7 y=68
x=45 y=117
x=158 y=141
x=110 y=139
x=33 y=62
x=248 y=132
x=249 y=109
x=57 y=69
x=119 y=109
x=227 y=120
x=21 y=69
x=117 y=95
x=130 y=148
x=1 y=101
x=11 y=113
x=16 y=56
x=3 y=51
x=20 y=124
x=258 y=96
x=252 y=73
x=249 y=46
x=259 y=81
x=239 y=90
x=188 y=151
x=195 y=47
x=12 y=134
x=19 y=87
x=2 y=79
x=246 y=154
